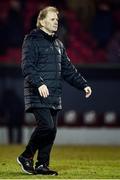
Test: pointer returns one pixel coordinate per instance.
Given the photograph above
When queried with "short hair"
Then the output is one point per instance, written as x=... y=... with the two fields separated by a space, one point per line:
x=43 y=13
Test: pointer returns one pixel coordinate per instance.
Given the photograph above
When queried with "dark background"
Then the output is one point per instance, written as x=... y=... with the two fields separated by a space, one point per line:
x=90 y=31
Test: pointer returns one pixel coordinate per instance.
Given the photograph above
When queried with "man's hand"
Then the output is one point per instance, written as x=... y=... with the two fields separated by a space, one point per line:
x=88 y=91
x=43 y=90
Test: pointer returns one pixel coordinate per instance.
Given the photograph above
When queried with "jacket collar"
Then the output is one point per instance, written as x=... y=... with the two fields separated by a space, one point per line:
x=45 y=35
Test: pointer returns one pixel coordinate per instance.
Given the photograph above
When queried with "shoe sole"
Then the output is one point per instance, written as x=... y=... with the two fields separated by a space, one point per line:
x=23 y=167
x=54 y=175
x=46 y=174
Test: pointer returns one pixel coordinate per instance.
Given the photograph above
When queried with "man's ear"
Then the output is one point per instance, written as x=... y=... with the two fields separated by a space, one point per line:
x=42 y=22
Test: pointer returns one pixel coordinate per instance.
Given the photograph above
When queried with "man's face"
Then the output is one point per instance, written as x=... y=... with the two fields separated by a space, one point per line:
x=50 y=23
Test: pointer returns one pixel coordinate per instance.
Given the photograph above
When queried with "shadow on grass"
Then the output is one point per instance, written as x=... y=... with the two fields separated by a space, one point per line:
x=14 y=175
x=22 y=175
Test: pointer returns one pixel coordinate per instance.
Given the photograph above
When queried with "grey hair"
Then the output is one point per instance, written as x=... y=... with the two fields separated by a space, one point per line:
x=43 y=14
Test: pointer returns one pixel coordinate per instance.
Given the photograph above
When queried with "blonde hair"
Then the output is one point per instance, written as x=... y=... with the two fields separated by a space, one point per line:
x=43 y=13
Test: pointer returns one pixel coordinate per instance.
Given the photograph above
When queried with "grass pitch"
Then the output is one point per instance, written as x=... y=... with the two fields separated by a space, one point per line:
x=72 y=162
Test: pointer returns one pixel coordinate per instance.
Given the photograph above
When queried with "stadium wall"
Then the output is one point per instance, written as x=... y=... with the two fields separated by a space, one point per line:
x=73 y=136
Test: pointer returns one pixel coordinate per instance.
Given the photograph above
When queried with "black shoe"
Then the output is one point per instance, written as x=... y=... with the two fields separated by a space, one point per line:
x=44 y=170
x=26 y=164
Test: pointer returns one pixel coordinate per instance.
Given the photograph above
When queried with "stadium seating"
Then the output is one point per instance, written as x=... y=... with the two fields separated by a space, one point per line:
x=81 y=46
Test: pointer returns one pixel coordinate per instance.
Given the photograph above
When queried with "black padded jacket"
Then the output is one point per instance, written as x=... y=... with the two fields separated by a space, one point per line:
x=44 y=61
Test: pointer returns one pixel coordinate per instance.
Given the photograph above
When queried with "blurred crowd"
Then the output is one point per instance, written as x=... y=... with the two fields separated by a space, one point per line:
x=90 y=29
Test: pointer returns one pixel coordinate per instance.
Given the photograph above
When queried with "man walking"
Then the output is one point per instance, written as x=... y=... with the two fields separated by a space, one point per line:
x=44 y=65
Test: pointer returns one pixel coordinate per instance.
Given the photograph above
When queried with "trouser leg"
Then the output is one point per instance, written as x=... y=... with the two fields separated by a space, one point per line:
x=43 y=136
x=46 y=144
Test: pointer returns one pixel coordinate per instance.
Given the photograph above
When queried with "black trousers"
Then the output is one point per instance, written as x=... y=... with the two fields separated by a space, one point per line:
x=42 y=138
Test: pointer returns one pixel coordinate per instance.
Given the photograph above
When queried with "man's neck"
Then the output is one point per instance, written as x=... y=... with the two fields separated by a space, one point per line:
x=46 y=31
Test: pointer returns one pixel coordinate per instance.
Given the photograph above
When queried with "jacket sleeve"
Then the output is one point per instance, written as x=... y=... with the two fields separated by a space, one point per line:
x=28 y=65
x=70 y=73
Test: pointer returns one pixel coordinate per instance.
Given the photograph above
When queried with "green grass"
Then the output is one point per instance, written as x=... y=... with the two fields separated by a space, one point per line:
x=72 y=162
